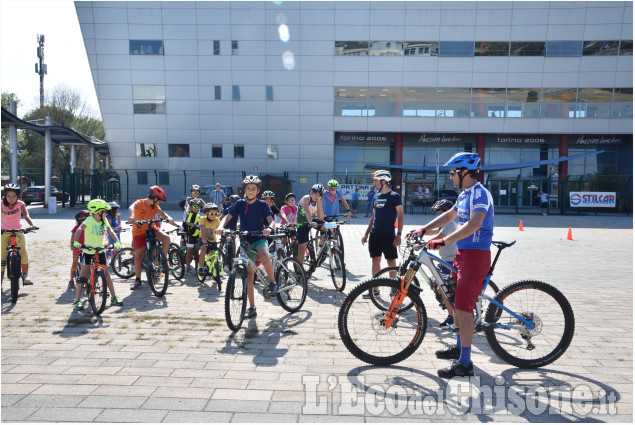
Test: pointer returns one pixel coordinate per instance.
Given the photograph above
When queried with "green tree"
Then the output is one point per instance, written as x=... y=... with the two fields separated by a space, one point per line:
x=6 y=98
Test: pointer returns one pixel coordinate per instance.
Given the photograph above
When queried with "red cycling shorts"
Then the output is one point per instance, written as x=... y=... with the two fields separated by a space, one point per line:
x=472 y=266
x=139 y=242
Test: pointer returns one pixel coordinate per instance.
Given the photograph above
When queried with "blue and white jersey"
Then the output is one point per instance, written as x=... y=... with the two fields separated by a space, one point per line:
x=476 y=198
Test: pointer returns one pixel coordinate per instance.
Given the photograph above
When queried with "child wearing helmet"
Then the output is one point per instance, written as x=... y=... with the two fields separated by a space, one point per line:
x=209 y=222
x=146 y=209
x=94 y=228
x=192 y=228
x=79 y=219
x=309 y=207
x=195 y=193
x=331 y=201
x=269 y=197
x=12 y=210
x=114 y=219
x=233 y=223
x=254 y=213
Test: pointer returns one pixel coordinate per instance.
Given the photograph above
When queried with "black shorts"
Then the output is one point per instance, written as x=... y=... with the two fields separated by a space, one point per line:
x=544 y=205
x=382 y=244
x=303 y=234
x=190 y=241
x=85 y=259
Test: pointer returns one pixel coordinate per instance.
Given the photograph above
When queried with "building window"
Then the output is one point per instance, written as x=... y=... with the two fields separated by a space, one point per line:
x=600 y=48
x=564 y=48
x=269 y=93
x=148 y=99
x=217 y=151
x=385 y=48
x=234 y=47
x=456 y=48
x=146 y=149
x=216 y=47
x=164 y=178
x=177 y=150
x=217 y=93
x=146 y=47
x=527 y=48
x=272 y=151
x=235 y=93
x=239 y=151
x=351 y=48
x=421 y=48
x=491 y=48
x=142 y=178
x=626 y=47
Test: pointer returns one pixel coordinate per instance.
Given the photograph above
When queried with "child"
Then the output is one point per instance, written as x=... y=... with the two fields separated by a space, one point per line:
x=208 y=223
x=193 y=230
x=253 y=214
x=290 y=209
x=12 y=210
x=195 y=192
x=114 y=219
x=309 y=207
x=94 y=228
x=268 y=196
x=79 y=219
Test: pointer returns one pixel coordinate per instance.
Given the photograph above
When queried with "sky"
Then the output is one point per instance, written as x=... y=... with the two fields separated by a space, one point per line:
x=64 y=52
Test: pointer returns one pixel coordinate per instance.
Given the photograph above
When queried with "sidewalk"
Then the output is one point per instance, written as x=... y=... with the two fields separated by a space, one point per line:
x=173 y=359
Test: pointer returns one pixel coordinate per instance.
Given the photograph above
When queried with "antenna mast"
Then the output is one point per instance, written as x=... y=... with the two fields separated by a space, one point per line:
x=42 y=66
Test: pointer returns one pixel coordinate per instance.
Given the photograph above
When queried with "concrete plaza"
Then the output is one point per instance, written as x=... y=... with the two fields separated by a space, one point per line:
x=173 y=359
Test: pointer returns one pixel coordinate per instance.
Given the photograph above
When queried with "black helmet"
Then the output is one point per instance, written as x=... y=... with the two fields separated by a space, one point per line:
x=81 y=215
x=233 y=198
x=13 y=187
x=442 y=205
x=318 y=188
x=268 y=194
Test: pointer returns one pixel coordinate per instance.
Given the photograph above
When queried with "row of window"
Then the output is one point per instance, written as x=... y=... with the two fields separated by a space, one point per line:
x=182 y=150
x=484 y=48
x=155 y=47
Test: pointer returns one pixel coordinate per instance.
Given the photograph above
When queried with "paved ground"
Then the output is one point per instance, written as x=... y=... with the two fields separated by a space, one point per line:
x=173 y=359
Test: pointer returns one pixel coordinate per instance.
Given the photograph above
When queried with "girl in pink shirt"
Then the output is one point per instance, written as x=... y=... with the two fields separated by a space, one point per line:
x=12 y=210
x=79 y=219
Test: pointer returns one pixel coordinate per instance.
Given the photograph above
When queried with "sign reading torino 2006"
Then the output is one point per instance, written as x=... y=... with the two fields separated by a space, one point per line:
x=592 y=199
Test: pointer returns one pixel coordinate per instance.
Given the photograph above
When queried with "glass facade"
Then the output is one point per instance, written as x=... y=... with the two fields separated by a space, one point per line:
x=146 y=47
x=148 y=99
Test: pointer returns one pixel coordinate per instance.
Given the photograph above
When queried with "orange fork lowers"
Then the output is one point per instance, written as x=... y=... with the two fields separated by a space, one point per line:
x=397 y=300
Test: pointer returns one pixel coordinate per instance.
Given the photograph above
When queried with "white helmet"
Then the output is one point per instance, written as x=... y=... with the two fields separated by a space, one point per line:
x=382 y=175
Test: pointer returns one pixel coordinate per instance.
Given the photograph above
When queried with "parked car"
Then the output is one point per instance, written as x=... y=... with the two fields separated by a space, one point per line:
x=450 y=195
x=206 y=192
x=36 y=194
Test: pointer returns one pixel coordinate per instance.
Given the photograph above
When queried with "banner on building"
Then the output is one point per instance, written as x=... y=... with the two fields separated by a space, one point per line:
x=348 y=190
x=592 y=199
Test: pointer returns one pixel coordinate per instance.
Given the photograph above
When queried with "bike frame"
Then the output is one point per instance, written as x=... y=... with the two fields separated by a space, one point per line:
x=244 y=259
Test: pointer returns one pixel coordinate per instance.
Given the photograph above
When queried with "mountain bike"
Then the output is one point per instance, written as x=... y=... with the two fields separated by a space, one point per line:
x=289 y=275
x=338 y=233
x=408 y=255
x=14 y=261
x=213 y=265
x=329 y=250
x=528 y=324
x=157 y=267
x=97 y=288
x=176 y=254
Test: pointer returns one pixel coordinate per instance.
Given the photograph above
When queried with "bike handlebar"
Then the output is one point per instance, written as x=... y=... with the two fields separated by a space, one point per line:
x=23 y=231
x=148 y=221
x=97 y=249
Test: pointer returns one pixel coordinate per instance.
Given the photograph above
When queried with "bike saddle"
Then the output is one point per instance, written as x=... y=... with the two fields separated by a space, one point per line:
x=501 y=244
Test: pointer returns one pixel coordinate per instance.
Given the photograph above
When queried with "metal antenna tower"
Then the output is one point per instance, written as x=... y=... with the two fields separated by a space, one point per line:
x=42 y=66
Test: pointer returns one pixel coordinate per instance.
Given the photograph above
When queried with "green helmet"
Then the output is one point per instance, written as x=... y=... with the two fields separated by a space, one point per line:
x=333 y=183
x=96 y=205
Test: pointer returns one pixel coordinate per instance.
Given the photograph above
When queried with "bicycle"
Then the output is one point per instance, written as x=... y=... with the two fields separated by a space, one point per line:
x=14 y=261
x=97 y=288
x=213 y=265
x=176 y=255
x=154 y=258
x=330 y=249
x=228 y=250
x=382 y=300
x=529 y=324
x=289 y=275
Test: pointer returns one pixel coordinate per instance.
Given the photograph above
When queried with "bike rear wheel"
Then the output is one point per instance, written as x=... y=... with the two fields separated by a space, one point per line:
x=553 y=320
x=310 y=262
x=123 y=263
x=291 y=280
x=236 y=298
x=14 y=271
x=98 y=298
x=340 y=241
x=338 y=272
x=382 y=296
x=176 y=262
x=228 y=252
x=157 y=271
x=361 y=330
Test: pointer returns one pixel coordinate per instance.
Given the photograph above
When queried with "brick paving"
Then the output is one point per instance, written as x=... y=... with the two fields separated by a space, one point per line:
x=173 y=359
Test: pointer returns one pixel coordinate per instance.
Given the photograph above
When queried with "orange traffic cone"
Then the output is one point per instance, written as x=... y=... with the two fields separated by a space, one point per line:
x=570 y=235
x=521 y=226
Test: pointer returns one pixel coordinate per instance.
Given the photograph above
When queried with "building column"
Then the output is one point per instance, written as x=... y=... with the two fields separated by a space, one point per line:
x=73 y=158
x=397 y=183
x=13 y=148
x=563 y=167
x=48 y=154
x=92 y=153
x=480 y=151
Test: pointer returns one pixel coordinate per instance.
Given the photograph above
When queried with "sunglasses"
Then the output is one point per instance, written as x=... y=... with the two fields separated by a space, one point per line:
x=452 y=173
x=291 y=200
x=212 y=213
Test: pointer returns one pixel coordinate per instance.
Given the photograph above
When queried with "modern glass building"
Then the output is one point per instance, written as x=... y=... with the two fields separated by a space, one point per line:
x=333 y=85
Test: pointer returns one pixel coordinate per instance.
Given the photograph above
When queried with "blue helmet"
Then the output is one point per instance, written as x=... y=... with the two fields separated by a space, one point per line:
x=468 y=160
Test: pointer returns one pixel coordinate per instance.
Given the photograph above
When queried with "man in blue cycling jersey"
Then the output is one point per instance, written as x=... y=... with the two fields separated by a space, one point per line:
x=331 y=200
x=473 y=237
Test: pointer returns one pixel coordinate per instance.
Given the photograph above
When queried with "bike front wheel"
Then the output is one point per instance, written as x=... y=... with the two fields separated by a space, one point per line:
x=157 y=271
x=553 y=320
x=123 y=263
x=176 y=262
x=97 y=298
x=338 y=272
x=291 y=280
x=236 y=298
x=14 y=270
x=361 y=328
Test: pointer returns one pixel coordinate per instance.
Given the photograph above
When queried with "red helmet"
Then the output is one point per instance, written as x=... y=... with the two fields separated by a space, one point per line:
x=157 y=192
